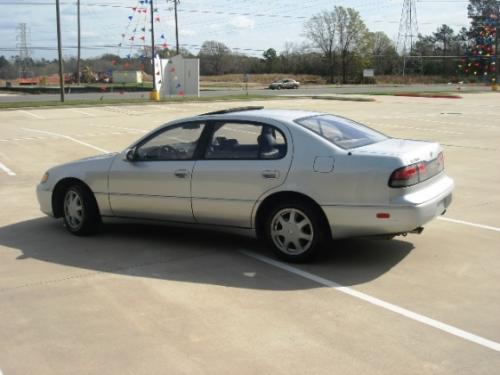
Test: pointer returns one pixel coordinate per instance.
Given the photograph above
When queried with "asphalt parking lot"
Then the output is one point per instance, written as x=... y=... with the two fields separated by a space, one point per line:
x=139 y=299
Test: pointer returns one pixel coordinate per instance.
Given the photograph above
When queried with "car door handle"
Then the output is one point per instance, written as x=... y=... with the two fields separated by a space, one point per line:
x=270 y=174
x=181 y=173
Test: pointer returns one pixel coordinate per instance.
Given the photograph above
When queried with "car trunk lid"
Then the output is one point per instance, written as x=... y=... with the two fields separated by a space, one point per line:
x=408 y=151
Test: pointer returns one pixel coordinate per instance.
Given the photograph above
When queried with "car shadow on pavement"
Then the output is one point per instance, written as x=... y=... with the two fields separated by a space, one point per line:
x=188 y=255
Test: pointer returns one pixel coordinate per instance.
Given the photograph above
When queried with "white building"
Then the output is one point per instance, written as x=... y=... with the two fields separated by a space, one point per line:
x=178 y=76
x=127 y=76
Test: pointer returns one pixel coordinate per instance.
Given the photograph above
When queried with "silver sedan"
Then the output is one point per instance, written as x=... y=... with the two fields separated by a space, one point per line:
x=294 y=178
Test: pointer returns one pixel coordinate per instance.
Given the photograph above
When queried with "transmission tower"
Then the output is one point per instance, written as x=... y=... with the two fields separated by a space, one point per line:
x=25 y=62
x=408 y=31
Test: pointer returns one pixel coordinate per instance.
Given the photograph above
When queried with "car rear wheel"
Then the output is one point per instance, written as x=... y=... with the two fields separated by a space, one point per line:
x=80 y=212
x=295 y=231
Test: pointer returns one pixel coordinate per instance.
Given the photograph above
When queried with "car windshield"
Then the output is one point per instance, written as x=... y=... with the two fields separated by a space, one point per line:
x=340 y=131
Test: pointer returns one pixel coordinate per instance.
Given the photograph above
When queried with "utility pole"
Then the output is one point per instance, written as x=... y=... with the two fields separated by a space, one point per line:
x=176 y=27
x=154 y=93
x=79 y=43
x=59 y=51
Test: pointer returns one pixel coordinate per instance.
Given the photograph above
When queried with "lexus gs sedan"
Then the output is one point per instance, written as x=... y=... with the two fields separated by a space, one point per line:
x=296 y=179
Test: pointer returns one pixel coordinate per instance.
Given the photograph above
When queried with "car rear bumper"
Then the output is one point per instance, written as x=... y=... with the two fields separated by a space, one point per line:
x=351 y=221
x=44 y=197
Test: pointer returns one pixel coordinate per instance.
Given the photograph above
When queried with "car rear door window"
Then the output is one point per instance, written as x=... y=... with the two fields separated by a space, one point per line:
x=233 y=140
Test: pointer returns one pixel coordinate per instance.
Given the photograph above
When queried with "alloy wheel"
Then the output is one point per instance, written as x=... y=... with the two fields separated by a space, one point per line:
x=292 y=231
x=73 y=209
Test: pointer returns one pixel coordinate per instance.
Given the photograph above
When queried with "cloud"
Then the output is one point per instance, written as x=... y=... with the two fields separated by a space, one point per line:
x=242 y=22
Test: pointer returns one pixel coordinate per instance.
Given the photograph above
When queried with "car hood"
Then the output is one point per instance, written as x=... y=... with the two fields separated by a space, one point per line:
x=408 y=150
x=96 y=157
x=93 y=163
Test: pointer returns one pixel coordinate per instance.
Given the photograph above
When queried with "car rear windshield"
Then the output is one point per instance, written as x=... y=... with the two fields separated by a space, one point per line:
x=340 y=131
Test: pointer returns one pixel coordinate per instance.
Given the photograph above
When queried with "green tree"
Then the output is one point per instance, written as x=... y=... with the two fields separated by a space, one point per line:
x=443 y=37
x=271 y=58
x=7 y=70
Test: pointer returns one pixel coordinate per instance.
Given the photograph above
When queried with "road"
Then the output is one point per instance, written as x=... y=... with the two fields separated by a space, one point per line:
x=306 y=90
x=139 y=299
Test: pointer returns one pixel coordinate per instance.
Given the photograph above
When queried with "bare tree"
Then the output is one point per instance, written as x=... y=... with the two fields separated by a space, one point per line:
x=352 y=34
x=384 y=57
x=321 y=29
x=214 y=57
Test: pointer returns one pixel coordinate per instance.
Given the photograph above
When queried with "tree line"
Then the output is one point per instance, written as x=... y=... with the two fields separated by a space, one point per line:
x=338 y=47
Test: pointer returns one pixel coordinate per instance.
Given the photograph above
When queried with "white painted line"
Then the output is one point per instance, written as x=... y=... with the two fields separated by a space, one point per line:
x=69 y=138
x=469 y=223
x=32 y=114
x=120 y=128
x=378 y=302
x=4 y=168
x=81 y=112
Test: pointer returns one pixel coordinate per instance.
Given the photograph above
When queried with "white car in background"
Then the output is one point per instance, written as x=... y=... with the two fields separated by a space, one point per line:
x=297 y=179
x=284 y=84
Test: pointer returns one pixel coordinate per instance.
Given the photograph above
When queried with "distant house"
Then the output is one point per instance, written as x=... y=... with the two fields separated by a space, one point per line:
x=127 y=76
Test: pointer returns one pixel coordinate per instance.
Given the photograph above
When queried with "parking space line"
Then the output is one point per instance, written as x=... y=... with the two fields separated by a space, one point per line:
x=68 y=138
x=482 y=226
x=32 y=114
x=378 y=302
x=7 y=170
x=119 y=128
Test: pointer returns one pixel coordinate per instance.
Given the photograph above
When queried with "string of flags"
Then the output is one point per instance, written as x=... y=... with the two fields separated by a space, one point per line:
x=134 y=37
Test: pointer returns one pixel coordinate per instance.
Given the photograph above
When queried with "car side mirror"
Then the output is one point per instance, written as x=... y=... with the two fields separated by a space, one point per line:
x=130 y=155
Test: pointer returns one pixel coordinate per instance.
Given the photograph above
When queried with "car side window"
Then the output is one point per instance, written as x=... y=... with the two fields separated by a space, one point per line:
x=245 y=141
x=175 y=143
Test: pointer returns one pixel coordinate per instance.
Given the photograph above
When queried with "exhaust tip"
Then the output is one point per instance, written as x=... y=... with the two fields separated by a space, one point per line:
x=417 y=230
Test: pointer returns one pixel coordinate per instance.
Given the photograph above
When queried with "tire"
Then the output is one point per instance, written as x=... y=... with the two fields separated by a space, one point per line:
x=299 y=240
x=80 y=212
x=278 y=88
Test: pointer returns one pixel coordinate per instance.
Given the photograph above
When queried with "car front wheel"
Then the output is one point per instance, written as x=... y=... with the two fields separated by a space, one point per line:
x=294 y=231
x=81 y=215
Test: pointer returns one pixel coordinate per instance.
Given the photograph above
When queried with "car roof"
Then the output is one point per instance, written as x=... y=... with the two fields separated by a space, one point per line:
x=284 y=115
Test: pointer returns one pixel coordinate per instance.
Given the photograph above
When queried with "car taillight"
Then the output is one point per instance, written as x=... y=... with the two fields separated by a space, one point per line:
x=415 y=173
x=440 y=161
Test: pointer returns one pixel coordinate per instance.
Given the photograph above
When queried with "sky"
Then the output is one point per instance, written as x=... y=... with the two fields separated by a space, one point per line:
x=246 y=26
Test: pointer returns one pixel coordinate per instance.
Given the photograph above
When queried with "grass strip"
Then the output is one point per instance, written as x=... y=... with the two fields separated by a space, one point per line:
x=225 y=98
